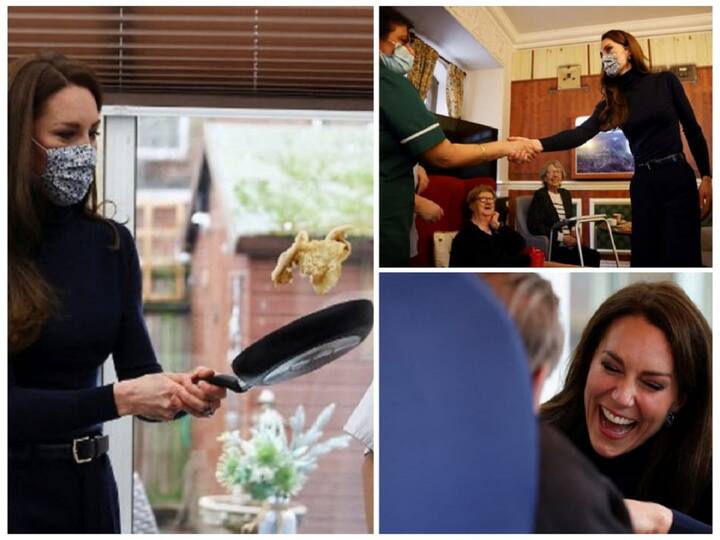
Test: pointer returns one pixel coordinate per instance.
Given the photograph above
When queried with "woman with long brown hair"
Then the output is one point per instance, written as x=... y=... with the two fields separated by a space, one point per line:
x=637 y=402
x=649 y=107
x=74 y=300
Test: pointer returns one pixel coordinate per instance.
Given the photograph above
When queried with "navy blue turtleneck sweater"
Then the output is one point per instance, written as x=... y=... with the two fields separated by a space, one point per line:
x=626 y=472
x=54 y=394
x=657 y=103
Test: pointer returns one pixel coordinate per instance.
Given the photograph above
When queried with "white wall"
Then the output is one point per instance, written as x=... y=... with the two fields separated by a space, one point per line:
x=486 y=100
x=484 y=97
x=561 y=286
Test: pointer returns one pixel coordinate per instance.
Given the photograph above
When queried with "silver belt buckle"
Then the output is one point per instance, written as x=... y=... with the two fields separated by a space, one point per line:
x=74 y=450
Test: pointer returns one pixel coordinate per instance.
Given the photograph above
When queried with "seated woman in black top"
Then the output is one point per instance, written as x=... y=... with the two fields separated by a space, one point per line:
x=637 y=402
x=483 y=241
x=551 y=204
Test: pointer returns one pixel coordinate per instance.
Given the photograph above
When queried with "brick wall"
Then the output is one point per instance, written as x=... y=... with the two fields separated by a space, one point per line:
x=333 y=494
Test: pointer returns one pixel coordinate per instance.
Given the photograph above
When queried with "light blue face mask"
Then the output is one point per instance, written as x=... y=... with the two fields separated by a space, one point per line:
x=611 y=65
x=69 y=172
x=401 y=61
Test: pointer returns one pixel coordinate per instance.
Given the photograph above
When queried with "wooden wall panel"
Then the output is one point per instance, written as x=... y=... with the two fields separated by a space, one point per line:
x=573 y=54
x=546 y=60
x=693 y=48
x=595 y=66
x=522 y=65
x=538 y=110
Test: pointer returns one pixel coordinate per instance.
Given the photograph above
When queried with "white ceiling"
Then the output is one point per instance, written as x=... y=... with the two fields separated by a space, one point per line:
x=442 y=31
x=529 y=27
x=541 y=19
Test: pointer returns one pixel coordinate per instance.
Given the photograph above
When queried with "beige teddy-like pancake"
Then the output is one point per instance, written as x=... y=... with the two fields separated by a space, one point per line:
x=320 y=260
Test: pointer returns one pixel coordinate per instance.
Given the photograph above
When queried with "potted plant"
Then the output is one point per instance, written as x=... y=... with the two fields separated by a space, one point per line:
x=272 y=468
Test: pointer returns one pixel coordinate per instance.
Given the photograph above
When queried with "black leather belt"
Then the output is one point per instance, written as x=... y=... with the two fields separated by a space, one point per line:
x=672 y=158
x=82 y=450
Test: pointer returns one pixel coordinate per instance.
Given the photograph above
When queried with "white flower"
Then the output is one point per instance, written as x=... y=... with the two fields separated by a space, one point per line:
x=261 y=474
x=266 y=465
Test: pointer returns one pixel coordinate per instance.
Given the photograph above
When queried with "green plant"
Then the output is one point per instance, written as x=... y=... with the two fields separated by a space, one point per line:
x=267 y=464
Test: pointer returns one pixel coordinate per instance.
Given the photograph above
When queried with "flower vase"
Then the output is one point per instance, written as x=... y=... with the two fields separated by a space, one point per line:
x=277 y=517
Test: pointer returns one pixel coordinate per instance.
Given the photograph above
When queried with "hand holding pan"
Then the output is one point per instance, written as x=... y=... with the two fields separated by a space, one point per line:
x=300 y=347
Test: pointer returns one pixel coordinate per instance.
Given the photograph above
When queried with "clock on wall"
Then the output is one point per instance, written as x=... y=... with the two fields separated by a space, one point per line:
x=568 y=77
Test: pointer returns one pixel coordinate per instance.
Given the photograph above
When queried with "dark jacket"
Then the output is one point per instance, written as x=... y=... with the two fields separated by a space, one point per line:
x=573 y=497
x=472 y=247
x=542 y=214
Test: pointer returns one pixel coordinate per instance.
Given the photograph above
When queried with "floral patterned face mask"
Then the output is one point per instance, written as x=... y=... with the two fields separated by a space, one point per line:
x=611 y=65
x=69 y=172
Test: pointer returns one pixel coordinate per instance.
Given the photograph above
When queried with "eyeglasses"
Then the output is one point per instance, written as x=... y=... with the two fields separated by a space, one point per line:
x=485 y=199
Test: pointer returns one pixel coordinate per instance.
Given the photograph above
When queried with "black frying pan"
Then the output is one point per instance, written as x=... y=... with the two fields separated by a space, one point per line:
x=300 y=347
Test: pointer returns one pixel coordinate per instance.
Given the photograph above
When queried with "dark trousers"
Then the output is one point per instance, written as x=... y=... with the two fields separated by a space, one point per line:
x=53 y=496
x=665 y=216
x=397 y=204
x=566 y=255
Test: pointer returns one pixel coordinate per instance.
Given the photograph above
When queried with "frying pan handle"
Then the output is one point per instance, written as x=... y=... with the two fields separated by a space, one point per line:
x=227 y=381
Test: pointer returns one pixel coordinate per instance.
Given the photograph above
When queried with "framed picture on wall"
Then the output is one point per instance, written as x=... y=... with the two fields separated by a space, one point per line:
x=607 y=155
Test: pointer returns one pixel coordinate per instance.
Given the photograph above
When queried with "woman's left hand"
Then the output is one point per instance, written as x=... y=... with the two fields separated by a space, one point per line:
x=208 y=393
x=649 y=518
x=705 y=192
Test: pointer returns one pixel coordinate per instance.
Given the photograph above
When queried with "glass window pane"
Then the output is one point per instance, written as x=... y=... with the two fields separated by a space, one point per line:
x=213 y=224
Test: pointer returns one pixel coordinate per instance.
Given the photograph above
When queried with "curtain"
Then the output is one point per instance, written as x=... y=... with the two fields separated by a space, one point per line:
x=421 y=74
x=454 y=90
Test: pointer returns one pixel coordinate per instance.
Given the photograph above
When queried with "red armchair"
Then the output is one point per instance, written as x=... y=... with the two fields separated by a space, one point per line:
x=449 y=192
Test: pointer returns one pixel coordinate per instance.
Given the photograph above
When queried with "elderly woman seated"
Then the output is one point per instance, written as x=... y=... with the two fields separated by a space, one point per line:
x=484 y=241
x=551 y=204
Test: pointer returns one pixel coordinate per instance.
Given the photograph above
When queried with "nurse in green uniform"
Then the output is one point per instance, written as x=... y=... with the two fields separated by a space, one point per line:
x=410 y=133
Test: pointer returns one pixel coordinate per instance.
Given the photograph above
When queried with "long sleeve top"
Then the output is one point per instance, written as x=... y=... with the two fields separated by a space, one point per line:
x=626 y=472
x=542 y=214
x=473 y=247
x=54 y=391
x=657 y=106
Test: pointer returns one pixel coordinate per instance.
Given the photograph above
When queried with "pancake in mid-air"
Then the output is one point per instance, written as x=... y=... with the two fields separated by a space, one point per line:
x=320 y=260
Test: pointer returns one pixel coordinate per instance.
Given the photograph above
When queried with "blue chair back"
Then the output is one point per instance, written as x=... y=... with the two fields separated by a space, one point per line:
x=458 y=437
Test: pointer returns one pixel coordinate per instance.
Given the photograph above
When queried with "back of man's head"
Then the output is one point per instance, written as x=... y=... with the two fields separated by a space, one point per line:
x=534 y=308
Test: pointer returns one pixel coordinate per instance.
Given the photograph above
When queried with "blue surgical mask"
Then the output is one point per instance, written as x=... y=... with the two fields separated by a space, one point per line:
x=69 y=172
x=611 y=65
x=401 y=61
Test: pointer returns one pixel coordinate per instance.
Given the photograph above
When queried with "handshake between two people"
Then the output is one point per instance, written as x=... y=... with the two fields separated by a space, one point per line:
x=161 y=396
x=522 y=150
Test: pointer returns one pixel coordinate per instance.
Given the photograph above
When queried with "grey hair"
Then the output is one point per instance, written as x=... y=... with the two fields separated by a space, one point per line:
x=534 y=307
x=555 y=163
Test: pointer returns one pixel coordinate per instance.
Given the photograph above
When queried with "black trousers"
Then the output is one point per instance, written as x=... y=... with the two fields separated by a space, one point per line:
x=665 y=216
x=53 y=496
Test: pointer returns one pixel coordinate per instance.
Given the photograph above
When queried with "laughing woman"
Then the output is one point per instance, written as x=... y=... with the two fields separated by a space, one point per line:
x=484 y=241
x=637 y=402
